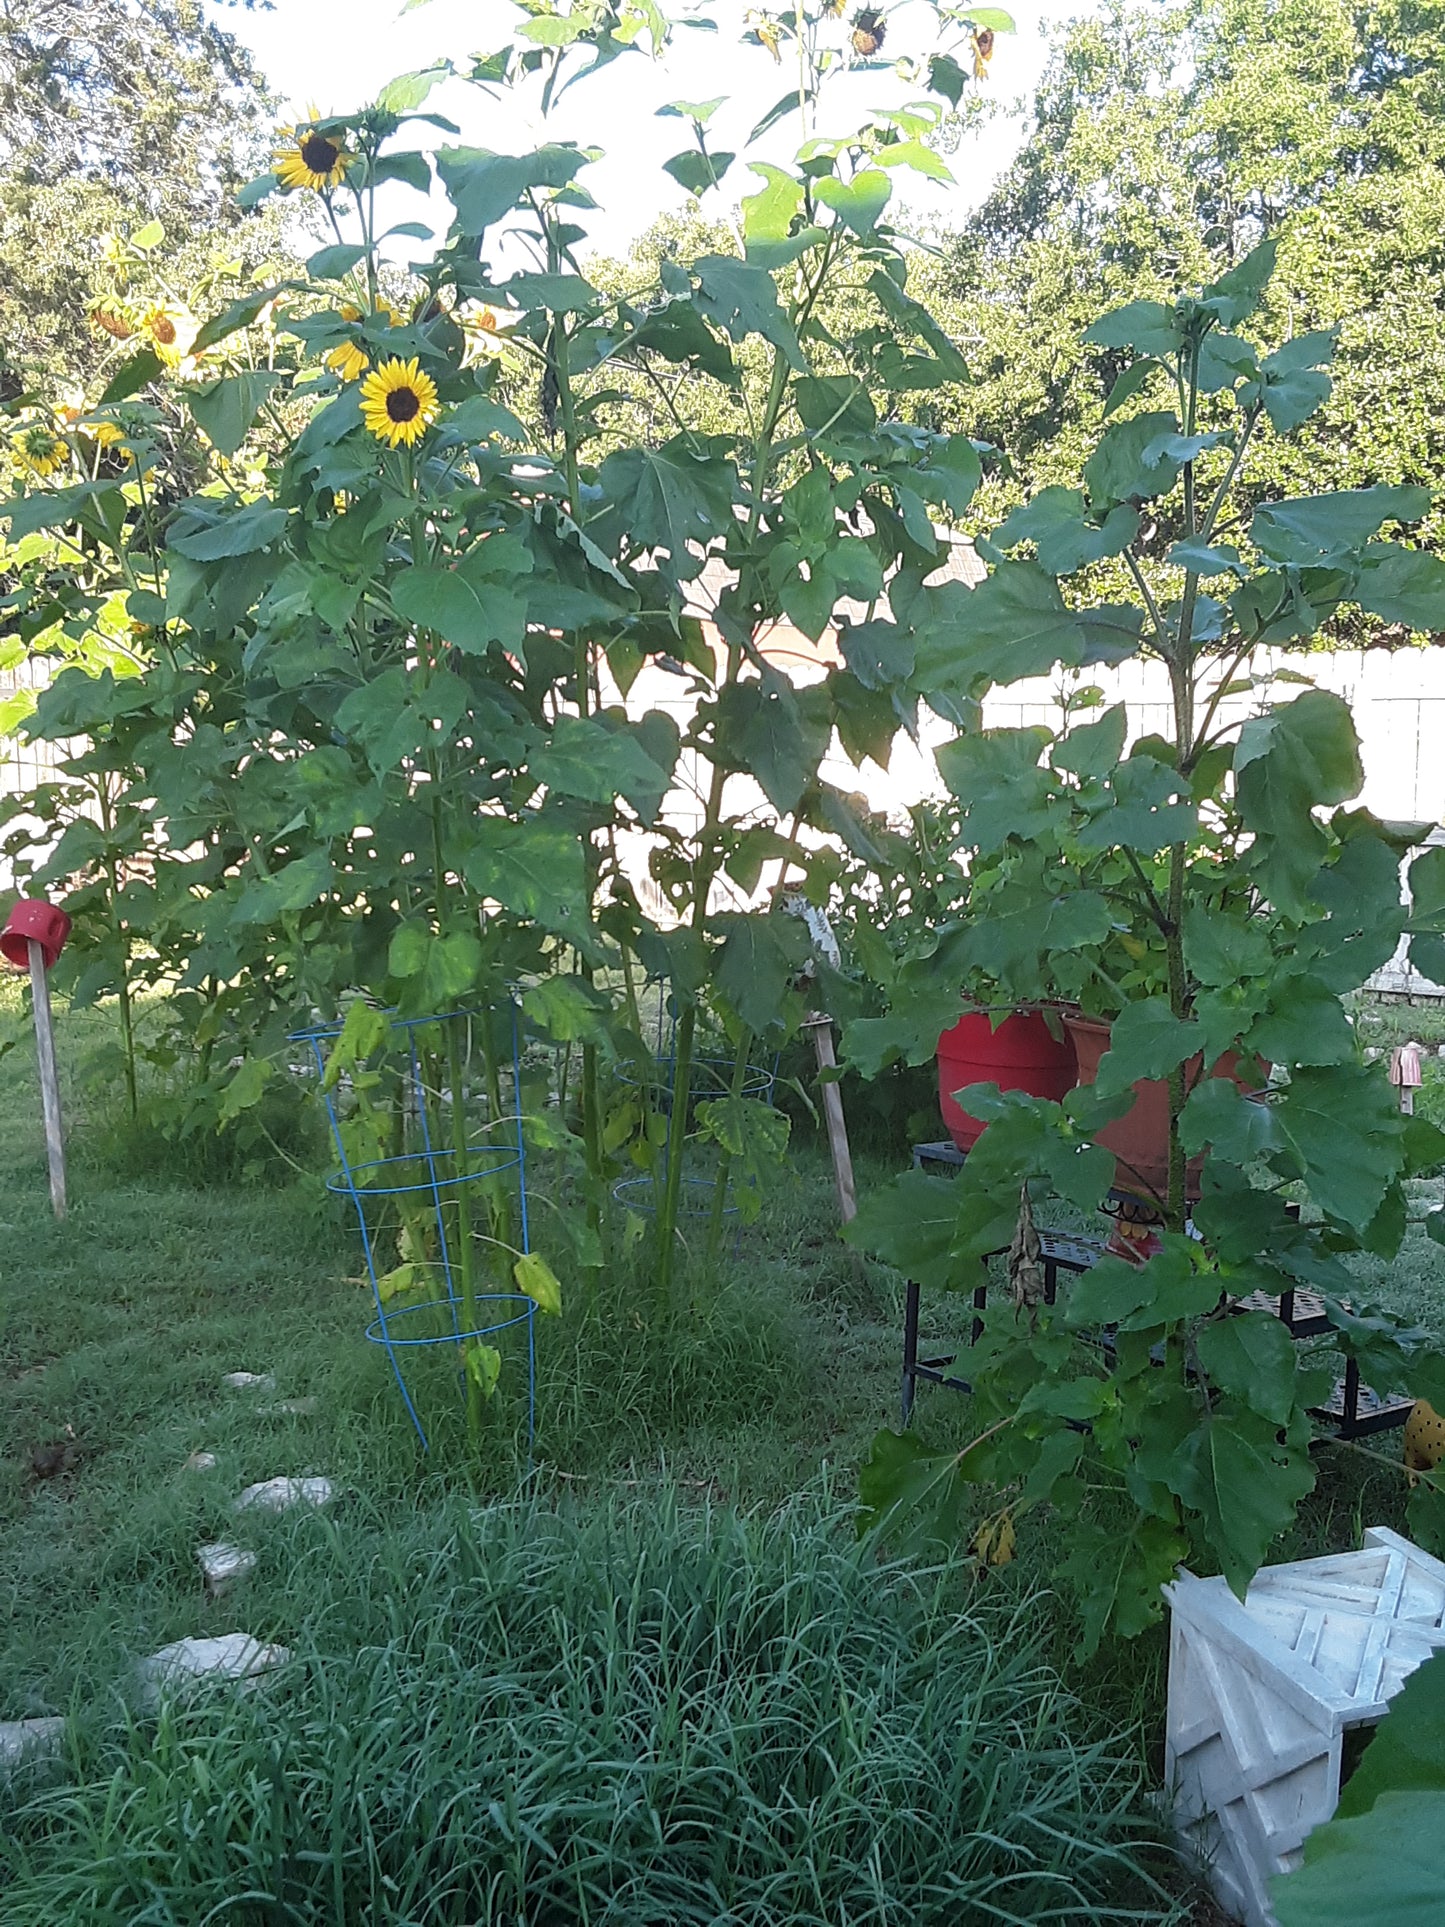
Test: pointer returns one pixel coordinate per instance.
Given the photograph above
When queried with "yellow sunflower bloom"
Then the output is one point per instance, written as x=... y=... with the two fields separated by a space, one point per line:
x=482 y=341
x=309 y=159
x=171 y=332
x=399 y=402
x=41 y=450
x=350 y=359
x=106 y=433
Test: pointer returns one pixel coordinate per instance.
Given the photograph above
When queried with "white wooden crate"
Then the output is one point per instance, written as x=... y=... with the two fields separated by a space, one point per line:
x=1262 y=1691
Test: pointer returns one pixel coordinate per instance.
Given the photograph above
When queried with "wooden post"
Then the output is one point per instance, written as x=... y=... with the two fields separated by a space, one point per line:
x=49 y=1076
x=821 y=1025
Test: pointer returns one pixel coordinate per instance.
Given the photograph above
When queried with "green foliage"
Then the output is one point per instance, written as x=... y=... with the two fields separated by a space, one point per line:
x=109 y=113
x=1163 y=144
x=367 y=737
x=1208 y=894
x=1381 y=1856
x=815 y=1687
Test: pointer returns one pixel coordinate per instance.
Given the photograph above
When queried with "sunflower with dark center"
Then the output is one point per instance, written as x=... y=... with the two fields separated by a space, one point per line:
x=869 y=29
x=399 y=403
x=310 y=159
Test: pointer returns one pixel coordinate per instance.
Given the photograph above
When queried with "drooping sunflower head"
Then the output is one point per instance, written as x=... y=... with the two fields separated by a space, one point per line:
x=399 y=402
x=982 y=52
x=41 y=450
x=113 y=322
x=307 y=158
x=869 y=29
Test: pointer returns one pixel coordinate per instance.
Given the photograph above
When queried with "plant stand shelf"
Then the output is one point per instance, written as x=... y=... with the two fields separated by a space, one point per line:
x=1352 y=1410
x=1059 y=1250
x=1263 y=1690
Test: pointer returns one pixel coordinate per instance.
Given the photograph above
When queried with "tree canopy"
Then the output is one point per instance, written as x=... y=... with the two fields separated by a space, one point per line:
x=1165 y=142
x=112 y=113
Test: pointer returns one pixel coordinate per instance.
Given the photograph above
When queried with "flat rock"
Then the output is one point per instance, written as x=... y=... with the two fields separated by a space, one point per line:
x=222 y=1565
x=190 y=1663
x=289 y=1408
x=280 y=1495
x=25 y=1740
x=250 y=1381
x=200 y=1462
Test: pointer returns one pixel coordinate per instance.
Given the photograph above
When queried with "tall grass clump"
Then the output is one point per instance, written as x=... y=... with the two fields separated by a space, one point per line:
x=638 y=1714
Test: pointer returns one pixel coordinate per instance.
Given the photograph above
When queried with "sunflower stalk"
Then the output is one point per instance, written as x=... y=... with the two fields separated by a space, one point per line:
x=559 y=366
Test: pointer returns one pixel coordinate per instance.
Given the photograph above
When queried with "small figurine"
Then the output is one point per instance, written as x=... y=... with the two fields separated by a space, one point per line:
x=1405 y=1073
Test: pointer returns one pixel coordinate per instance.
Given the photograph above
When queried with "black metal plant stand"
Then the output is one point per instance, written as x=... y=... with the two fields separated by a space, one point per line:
x=1353 y=1410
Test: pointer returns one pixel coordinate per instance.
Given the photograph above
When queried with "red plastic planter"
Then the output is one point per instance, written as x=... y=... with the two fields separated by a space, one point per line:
x=1022 y=1054
x=1140 y=1138
x=42 y=922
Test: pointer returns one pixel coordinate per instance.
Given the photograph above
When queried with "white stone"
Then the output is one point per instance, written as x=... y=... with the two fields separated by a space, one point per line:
x=222 y=1564
x=1263 y=1689
x=25 y=1740
x=200 y=1462
x=250 y=1381
x=279 y=1495
x=189 y=1663
x=289 y=1408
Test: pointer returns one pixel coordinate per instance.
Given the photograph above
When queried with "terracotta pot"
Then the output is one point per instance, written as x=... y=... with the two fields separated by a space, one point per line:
x=31 y=918
x=1140 y=1138
x=1022 y=1054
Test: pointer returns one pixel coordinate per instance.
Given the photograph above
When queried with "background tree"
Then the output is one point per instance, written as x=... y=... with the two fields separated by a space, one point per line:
x=1164 y=143
x=114 y=113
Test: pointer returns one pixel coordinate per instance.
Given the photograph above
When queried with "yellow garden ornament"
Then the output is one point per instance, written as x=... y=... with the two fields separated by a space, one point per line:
x=309 y=159
x=1424 y=1438
x=399 y=403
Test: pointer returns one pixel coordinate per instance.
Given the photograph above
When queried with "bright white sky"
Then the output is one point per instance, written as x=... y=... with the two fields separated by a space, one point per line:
x=336 y=57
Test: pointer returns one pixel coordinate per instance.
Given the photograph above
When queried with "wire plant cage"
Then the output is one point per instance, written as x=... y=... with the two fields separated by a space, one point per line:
x=454 y=1157
x=707 y=1192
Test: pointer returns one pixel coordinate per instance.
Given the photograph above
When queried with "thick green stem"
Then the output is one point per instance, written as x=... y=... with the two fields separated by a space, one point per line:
x=1178 y=1004
x=462 y=1216
x=127 y=1024
x=709 y=858
x=499 y=1199
x=683 y=1042
x=725 y=1162
x=462 y=1156
x=567 y=412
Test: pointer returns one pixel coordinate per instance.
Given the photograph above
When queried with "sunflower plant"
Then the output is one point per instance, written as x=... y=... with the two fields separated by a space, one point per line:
x=1209 y=892
x=382 y=741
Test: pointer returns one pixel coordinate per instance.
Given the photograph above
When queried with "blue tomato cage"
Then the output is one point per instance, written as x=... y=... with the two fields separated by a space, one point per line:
x=431 y=1171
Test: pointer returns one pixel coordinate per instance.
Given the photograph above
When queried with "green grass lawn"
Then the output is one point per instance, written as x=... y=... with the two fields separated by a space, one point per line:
x=666 y=1459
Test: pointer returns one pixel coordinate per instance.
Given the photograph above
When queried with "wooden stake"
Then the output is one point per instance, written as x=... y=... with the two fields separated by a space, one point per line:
x=49 y=1077
x=821 y=1026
